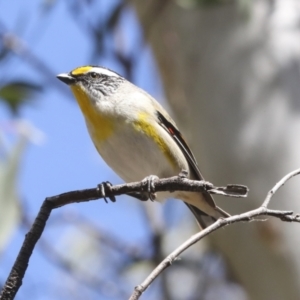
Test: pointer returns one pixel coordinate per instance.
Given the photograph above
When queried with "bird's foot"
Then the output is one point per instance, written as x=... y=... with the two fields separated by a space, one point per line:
x=103 y=189
x=183 y=174
x=150 y=186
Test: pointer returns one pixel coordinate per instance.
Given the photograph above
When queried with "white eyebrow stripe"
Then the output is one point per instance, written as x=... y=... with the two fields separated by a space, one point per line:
x=104 y=72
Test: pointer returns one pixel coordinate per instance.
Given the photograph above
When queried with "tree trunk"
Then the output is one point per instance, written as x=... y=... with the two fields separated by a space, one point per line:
x=231 y=75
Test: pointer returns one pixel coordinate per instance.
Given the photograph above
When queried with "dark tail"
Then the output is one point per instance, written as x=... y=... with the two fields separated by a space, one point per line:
x=205 y=220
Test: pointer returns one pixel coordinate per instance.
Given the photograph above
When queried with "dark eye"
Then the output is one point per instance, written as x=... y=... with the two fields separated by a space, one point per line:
x=94 y=75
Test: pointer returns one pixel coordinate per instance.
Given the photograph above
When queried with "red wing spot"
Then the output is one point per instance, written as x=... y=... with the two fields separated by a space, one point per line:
x=171 y=130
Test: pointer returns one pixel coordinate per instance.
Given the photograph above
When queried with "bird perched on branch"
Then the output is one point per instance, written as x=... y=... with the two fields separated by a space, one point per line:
x=135 y=136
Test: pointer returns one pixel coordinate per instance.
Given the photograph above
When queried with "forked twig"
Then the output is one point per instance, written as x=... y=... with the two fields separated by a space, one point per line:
x=286 y=216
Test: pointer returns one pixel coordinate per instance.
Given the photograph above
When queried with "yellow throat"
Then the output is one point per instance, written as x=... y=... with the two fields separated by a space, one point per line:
x=101 y=126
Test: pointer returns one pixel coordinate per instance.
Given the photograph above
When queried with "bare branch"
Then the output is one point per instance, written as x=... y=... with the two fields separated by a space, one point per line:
x=171 y=184
x=104 y=190
x=14 y=280
x=248 y=216
x=286 y=216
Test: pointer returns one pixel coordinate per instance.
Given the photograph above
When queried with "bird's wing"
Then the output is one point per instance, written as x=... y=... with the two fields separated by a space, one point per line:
x=176 y=135
x=203 y=219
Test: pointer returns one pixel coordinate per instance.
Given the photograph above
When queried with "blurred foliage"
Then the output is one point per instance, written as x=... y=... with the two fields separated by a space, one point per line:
x=18 y=93
x=10 y=213
x=101 y=30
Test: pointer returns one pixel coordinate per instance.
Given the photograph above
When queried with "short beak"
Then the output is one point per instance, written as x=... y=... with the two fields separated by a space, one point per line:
x=66 y=78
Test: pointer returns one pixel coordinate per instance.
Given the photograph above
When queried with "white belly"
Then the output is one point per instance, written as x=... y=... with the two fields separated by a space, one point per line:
x=134 y=156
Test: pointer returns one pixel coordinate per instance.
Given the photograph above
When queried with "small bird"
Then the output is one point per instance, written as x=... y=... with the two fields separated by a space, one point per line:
x=135 y=135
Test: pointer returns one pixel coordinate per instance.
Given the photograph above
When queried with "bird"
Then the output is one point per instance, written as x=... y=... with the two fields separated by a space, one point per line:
x=136 y=136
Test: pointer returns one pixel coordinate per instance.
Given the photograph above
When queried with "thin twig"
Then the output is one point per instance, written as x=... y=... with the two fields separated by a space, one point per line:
x=278 y=185
x=286 y=216
x=248 y=216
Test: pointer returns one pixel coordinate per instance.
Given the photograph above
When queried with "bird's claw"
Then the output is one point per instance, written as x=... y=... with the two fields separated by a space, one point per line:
x=183 y=174
x=150 y=186
x=103 y=188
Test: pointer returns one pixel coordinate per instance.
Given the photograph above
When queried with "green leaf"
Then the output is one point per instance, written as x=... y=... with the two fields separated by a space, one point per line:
x=10 y=212
x=18 y=93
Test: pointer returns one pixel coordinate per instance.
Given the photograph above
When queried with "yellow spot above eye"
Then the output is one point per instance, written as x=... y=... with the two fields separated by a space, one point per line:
x=100 y=126
x=143 y=125
x=81 y=70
